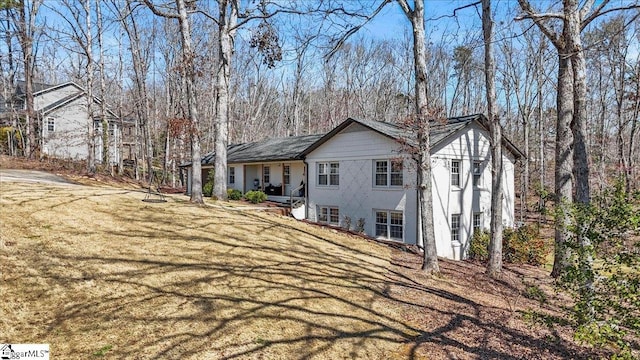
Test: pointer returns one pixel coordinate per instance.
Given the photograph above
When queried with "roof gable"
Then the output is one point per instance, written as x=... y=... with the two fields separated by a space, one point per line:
x=438 y=132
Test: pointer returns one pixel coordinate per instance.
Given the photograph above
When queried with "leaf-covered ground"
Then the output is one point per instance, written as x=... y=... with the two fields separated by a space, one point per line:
x=94 y=271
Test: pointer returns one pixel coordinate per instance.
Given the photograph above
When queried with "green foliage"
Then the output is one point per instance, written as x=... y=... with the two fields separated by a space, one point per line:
x=255 y=196
x=524 y=246
x=520 y=246
x=534 y=292
x=479 y=246
x=207 y=189
x=103 y=351
x=234 y=194
x=604 y=277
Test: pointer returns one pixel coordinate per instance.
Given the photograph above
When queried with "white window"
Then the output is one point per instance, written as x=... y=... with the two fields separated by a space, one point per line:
x=286 y=175
x=455 y=227
x=477 y=173
x=51 y=125
x=389 y=224
x=455 y=172
x=388 y=172
x=329 y=215
x=112 y=128
x=477 y=222
x=232 y=175
x=328 y=174
x=266 y=175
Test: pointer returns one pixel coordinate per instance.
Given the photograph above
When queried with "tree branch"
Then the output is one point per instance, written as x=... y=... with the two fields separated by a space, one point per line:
x=405 y=7
x=354 y=29
x=598 y=12
x=550 y=34
x=454 y=14
x=158 y=12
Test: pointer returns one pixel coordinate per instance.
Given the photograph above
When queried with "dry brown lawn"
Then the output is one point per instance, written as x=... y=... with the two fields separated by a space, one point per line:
x=96 y=272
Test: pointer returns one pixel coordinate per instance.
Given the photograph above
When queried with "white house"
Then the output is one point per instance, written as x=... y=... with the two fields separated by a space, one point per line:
x=64 y=122
x=359 y=174
x=359 y=170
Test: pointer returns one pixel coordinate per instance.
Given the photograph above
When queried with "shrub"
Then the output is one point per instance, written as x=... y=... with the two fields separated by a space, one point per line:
x=524 y=246
x=234 y=194
x=479 y=246
x=360 y=225
x=519 y=246
x=346 y=223
x=255 y=196
x=207 y=189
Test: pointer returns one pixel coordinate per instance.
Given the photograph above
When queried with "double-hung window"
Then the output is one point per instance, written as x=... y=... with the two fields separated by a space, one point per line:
x=455 y=227
x=477 y=222
x=232 y=175
x=388 y=173
x=51 y=125
x=477 y=173
x=455 y=172
x=266 y=175
x=329 y=174
x=389 y=224
x=286 y=175
x=329 y=215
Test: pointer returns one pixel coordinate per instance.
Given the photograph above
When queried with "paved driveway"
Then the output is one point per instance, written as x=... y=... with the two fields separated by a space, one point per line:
x=32 y=176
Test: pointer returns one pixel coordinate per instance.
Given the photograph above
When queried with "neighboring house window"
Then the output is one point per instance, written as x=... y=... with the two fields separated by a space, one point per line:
x=388 y=172
x=232 y=175
x=329 y=215
x=286 y=176
x=328 y=174
x=477 y=222
x=455 y=227
x=477 y=173
x=111 y=129
x=51 y=124
x=455 y=172
x=266 y=175
x=389 y=224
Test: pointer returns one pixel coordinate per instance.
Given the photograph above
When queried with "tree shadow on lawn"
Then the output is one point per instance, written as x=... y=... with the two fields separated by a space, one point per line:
x=252 y=286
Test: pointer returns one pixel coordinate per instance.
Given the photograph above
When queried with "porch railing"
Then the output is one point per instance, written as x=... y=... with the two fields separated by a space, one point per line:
x=297 y=201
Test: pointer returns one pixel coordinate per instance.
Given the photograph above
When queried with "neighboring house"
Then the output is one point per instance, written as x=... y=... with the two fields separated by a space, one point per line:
x=360 y=173
x=63 y=122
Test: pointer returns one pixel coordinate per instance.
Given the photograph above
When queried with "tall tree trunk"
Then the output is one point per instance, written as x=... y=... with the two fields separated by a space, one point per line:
x=425 y=192
x=103 y=105
x=226 y=25
x=563 y=165
x=91 y=156
x=494 y=268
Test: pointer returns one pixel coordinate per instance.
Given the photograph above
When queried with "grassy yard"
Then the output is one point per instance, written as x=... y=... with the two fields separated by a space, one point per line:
x=96 y=272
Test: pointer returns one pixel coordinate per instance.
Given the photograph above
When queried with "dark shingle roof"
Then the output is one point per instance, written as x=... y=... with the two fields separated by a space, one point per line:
x=297 y=147
x=281 y=149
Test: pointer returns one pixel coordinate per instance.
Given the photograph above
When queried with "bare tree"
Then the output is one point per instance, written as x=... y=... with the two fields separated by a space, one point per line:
x=24 y=19
x=497 y=194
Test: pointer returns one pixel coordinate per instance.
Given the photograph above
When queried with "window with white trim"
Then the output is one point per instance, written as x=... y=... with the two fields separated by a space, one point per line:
x=232 y=175
x=286 y=175
x=477 y=173
x=329 y=174
x=329 y=215
x=51 y=125
x=266 y=175
x=455 y=227
x=477 y=221
x=388 y=173
x=389 y=224
x=455 y=172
